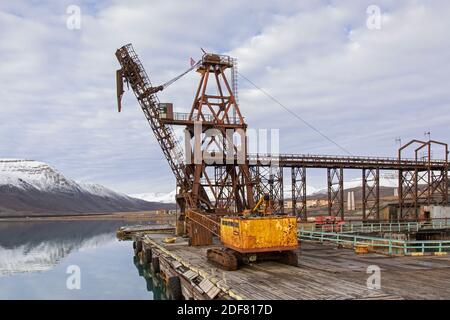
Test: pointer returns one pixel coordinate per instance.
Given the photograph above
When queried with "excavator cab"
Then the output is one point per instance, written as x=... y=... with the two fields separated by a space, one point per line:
x=263 y=207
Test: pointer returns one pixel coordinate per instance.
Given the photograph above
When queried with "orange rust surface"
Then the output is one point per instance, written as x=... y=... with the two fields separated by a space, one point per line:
x=259 y=234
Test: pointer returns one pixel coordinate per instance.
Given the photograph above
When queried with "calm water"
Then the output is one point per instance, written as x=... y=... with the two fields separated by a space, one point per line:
x=35 y=258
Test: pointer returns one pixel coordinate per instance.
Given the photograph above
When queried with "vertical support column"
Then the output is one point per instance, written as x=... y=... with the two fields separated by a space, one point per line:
x=235 y=190
x=335 y=177
x=180 y=224
x=298 y=176
x=445 y=186
x=198 y=169
x=329 y=186
x=407 y=194
x=269 y=180
x=281 y=188
x=247 y=186
x=256 y=182
x=364 y=197
x=276 y=188
x=445 y=178
x=423 y=189
x=371 y=193
x=415 y=208
x=221 y=188
x=341 y=187
x=377 y=195
x=400 y=194
x=439 y=187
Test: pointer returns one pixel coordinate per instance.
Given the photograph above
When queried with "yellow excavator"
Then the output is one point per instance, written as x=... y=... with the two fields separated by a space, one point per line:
x=257 y=235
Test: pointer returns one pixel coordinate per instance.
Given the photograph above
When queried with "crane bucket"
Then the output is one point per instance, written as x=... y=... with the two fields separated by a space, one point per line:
x=119 y=85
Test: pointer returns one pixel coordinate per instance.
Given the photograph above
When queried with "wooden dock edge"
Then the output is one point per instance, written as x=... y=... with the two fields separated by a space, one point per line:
x=166 y=255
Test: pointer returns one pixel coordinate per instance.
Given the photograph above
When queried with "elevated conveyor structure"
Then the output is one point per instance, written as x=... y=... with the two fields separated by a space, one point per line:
x=223 y=187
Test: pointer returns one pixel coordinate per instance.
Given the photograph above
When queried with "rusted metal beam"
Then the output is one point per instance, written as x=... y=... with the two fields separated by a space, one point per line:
x=407 y=194
x=335 y=177
x=298 y=177
x=371 y=194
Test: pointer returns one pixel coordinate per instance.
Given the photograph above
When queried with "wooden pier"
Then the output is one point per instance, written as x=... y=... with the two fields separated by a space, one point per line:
x=127 y=233
x=324 y=272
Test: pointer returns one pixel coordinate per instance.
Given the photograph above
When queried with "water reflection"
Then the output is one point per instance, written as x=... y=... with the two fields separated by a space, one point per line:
x=154 y=283
x=39 y=246
x=34 y=257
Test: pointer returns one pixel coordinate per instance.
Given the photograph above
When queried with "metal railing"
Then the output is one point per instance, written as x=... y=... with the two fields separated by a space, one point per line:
x=205 y=221
x=346 y=159
x=207 y=118
x=376 y=244
x=381 y=227
x=389 y=246
x=217 y=58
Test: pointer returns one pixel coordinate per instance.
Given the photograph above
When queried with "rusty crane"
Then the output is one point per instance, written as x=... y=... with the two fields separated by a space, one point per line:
x=206 y=194
x=207 y=191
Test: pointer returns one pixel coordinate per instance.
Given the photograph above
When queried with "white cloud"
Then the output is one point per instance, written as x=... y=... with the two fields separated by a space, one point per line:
x=361 y=87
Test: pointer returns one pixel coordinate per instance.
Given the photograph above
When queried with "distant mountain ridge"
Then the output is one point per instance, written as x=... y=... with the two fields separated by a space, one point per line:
x=156 y=196
x=387 y=182
x=30 y=187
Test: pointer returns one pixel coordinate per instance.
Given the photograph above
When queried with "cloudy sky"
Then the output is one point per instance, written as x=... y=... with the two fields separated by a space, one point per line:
x=361 y=86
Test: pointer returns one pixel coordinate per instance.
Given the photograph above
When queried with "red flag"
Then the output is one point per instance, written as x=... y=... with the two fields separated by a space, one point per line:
x=192 y=61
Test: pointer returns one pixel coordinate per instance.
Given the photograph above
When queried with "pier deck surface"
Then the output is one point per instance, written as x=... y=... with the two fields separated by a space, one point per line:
x=425 y=277
x=326 y=272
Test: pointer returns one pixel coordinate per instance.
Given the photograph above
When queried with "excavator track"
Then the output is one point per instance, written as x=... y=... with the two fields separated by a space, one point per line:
x=290 y=258
x=225 y=258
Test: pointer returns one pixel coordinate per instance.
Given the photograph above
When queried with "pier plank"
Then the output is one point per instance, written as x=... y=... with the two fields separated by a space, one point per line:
x=324 y=272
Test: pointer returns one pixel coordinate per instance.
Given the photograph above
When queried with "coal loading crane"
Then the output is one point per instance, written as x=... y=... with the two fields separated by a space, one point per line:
x=216 y=199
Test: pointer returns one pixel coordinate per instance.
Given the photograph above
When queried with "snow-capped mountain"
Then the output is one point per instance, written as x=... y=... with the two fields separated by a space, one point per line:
x=388 y=181
x=28 y=186
x=385 y=181
x=310 y=190
x=28 y=173
x=170 y=197
x=157 y=196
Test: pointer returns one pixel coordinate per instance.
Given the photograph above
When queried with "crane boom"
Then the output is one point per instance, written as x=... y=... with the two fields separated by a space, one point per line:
x=133 y=72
